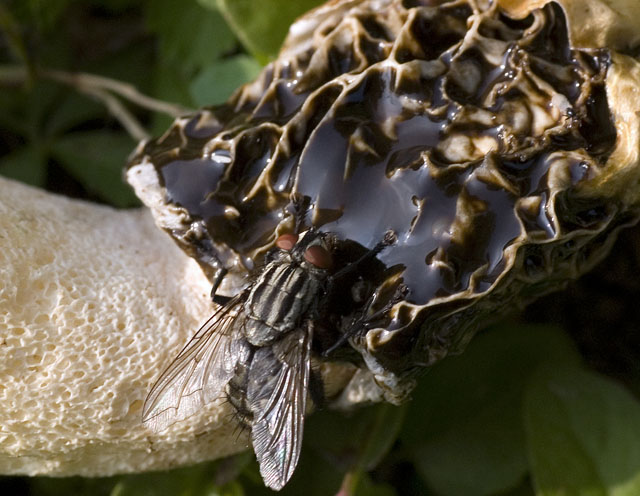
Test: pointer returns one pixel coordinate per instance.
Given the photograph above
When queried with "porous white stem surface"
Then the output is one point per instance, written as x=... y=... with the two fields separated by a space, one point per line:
x=94 y=303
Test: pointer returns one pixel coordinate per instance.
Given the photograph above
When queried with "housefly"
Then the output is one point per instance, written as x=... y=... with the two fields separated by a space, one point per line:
x=256 y=351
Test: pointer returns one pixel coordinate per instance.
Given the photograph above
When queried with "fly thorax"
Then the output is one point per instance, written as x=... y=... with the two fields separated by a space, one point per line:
x=278 y=302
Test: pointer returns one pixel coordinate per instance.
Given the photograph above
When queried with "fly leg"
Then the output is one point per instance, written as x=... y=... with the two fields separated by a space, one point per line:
x=364 y=321
x=204 y=250
x=389 y=238
x=300 y=205
x=395 y=388
x=217 y=280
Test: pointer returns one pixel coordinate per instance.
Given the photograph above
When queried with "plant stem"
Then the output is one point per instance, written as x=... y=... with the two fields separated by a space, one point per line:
x=11 y=29
x=120 y=112
x=349 y=483
x=125 y=90
x=99 y=87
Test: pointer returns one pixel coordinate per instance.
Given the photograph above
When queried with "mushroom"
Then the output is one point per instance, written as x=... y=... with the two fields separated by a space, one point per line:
x=95 y=302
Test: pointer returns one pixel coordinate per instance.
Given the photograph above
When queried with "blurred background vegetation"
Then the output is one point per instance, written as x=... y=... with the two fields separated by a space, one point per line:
x=545 y=403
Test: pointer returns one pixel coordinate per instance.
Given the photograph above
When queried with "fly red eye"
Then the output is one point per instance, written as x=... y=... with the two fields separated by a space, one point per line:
x=318 y=256
x=287 y=241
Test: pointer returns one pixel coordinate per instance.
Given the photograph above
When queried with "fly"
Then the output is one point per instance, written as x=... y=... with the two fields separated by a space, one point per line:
x=256 y=351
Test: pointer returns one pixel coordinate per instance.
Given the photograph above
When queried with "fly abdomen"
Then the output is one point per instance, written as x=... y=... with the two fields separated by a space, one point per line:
x=278 y=302
x=236 y=388
x=264 y=373
x=253 y=383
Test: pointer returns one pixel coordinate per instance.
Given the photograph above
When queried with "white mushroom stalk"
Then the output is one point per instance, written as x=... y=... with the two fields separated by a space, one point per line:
x=94 y=302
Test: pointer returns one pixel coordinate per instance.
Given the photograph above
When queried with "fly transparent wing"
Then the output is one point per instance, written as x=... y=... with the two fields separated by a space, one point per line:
x=199 y=373
x=276 y=431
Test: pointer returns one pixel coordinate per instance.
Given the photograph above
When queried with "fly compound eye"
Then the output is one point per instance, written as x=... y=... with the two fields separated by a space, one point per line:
x=287 y=241
x=318 y=256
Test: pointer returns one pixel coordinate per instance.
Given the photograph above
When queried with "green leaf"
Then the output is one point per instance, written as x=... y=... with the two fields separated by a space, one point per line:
x=96 y=159
x=196 y=480
x=26 y=110
x=115 y=6
x=261 y=25
x=12 y=35
x=25 y=164
x=131 y=64
x=190 y=36
x=13 y=102
x=47 y=12
x=464 y=427
x=366 y=487
x=523 y=489
x=233 y=488
x=77 y=486
x=216 y=82
x=355 y=440
x=360 y=484
x=382 y=431
x=41 y=100
x=73 y=109
x=583 y=434
x=170 y=86
x=483 y=455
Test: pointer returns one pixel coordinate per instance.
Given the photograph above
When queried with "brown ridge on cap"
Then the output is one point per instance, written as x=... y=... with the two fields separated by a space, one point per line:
x=592 y=23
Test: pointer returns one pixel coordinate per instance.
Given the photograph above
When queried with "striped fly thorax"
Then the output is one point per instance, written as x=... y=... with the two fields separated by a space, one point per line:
x=281 y=298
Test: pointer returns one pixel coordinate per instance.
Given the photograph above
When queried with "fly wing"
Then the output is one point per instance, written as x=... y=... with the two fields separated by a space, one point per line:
x=199 y=373
x=277 y=396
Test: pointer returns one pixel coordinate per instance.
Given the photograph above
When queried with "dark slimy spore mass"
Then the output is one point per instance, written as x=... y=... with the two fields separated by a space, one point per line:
x=462 y=130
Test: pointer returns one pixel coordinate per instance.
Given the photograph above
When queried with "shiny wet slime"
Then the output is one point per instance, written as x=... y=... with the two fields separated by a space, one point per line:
x=462 y=130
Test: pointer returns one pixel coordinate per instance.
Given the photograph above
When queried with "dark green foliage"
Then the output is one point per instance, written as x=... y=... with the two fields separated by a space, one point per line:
x=583 y=434
x=261 y=26
x=63 y=138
